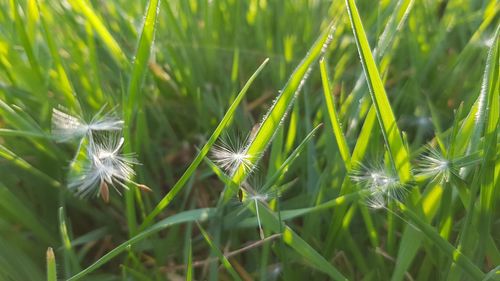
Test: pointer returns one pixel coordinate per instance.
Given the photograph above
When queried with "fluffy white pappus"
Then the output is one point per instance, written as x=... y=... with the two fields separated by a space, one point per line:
x=231 y=154
x=66 y=127
x=435 y=166
x=107 y=166
x=383 y=185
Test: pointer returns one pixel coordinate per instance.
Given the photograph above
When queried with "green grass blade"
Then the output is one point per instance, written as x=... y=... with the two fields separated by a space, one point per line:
x=334 y=117
x=485 y=114
x=487 y=191
x=225 y=262
x=51 y=265
x=385 y=115
x=189 y=268
x=165 y=201
x=71 y=263
x=187 y=216
x=132 y=101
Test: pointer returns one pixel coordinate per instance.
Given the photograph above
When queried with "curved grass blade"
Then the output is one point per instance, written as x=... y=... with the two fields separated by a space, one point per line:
x=165 y=201
x=392 y=136
x=188 y=216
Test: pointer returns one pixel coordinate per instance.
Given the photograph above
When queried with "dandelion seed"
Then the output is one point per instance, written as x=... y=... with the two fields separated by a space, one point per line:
x=382 y=184
x=230 y=155
x=66 y=127
x=434 y=165
x=107 y=166
x=256 y=195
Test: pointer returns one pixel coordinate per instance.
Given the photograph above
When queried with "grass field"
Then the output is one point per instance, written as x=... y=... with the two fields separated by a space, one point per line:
x=249 y=140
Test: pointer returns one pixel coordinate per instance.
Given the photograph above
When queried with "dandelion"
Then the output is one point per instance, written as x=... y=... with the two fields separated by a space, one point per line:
x=107 y=166
x=66 y=127
x=231 y=154
x=383 y=185
x=435 y=165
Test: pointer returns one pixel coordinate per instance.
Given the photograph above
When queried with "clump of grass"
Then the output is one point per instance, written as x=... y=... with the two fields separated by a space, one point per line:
x=415 y=82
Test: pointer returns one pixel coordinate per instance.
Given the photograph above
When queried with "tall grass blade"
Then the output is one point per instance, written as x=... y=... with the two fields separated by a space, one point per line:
x=392 y=136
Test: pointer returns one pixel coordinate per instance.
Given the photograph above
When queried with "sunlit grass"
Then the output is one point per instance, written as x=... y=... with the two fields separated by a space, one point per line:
x=372 y=135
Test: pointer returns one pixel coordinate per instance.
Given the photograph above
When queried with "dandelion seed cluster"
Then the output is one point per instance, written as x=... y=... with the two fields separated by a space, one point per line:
x=382 y=184
x=102 y=143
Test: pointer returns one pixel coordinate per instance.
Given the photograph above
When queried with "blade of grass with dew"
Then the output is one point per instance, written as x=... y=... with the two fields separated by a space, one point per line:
x=490 y=134
x=485 y=125
x=132 y=100
x=85 y=8
x=392 y=135
x=225 y=262
x=165 y=201
x=184 y=217
x=51 y=265
x=276 y=114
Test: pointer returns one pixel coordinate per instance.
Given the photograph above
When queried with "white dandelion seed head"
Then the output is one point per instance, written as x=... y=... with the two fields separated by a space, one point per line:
x=66 y=127
x=231 y=154
x=435 y=166
x=106 y=165
x=382 y=184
